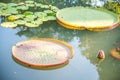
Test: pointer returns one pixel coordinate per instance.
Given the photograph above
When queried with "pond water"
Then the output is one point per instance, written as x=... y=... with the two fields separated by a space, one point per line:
x=83 y=66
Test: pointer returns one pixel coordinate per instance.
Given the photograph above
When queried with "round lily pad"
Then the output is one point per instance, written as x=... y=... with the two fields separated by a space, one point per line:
x=20 y=22
x=32 y=24
x=87 y=18
x=114 y=53
x=29 y=2
x=22 y=7
x=42 y=52
x=8 y=24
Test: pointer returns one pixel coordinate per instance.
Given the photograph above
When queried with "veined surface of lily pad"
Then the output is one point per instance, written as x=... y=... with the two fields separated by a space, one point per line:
x=20 y=22
x=87 y=18
x=42 y=52
x=32 y=24
x=8 y=24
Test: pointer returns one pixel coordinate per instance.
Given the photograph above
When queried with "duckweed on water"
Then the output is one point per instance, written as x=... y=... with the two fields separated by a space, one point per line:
x=28 y=13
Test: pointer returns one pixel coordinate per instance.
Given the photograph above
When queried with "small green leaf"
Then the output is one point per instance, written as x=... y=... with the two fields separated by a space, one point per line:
x=8 y=24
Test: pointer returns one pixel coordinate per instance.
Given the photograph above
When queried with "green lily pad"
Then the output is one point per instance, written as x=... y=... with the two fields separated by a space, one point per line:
x=28 y=13
x=48 y=11
x=20 y=16
x=12 y=4
x=3 y=5
x=30 y=5
x=20 y=22
x=29 y=2
x=40 y=14
x=8 y=24
x=87 y=18
x=30 y=17
x=51 y=18
x=22 y=7
x=12 y=17
x=32 y=24
x=44 y=6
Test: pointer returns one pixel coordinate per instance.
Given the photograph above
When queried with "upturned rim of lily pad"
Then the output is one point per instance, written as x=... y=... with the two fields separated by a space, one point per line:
x=82 y=18
x=114 y=53
x=35 y=42
x=8 y=24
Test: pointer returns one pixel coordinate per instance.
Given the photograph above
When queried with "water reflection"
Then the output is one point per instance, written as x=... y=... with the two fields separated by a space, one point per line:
x=85 y=41
x=84 y=65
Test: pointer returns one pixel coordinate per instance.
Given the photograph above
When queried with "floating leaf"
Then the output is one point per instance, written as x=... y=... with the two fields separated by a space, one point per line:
x=23 y=7
x=3 y=5
x=29 y=2
x=40 y=14
x=8 y=24
x=12 y=17
x=20 y=22
x=44 y=6
x=30 y=5
x=20 y=16
x=32 y=24
x=28 y=13
x=12 y=4
x=51 y=18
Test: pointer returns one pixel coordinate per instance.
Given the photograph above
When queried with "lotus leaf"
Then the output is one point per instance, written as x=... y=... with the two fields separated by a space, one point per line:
x=48 y=11
x=12 y=10
x=19 y=16
x=8 y=24
x=22 y=7
x=32 y=24
x=30 y=18
x=28 y=13
x=21 y=3
x=38 y=4
x=44 y=6
x=12 y=17
x=20 y=22
x=30 y=5
x=87 y=18
x=3 y=5
x=51 y=18
x=29 y=2
x=40 y=14
x=12 y=4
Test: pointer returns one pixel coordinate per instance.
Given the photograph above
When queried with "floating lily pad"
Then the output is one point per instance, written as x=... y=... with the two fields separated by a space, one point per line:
x=40 y=14
x=12 y=4
x=8 y=24
x=29 y=2
x=32 y=24
x=42 y=52
x=12 y=18
x=114 y=53
x=87 y=18
x=3 y=5
x=30 y=18
x=23 y=7
x=30 y=5
x=51 y=18
x=28 y=13
x=20 y=22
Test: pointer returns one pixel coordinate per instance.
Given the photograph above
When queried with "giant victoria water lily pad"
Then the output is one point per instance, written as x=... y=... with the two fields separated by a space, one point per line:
x=87 y=18
x=42 y=52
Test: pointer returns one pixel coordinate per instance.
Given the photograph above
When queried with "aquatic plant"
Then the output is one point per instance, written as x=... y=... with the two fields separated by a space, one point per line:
x=28 y=13
x=113 y=6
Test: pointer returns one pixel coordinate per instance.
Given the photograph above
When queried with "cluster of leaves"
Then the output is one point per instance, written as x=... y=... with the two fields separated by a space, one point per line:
x=113 y=6
x=28 y=13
